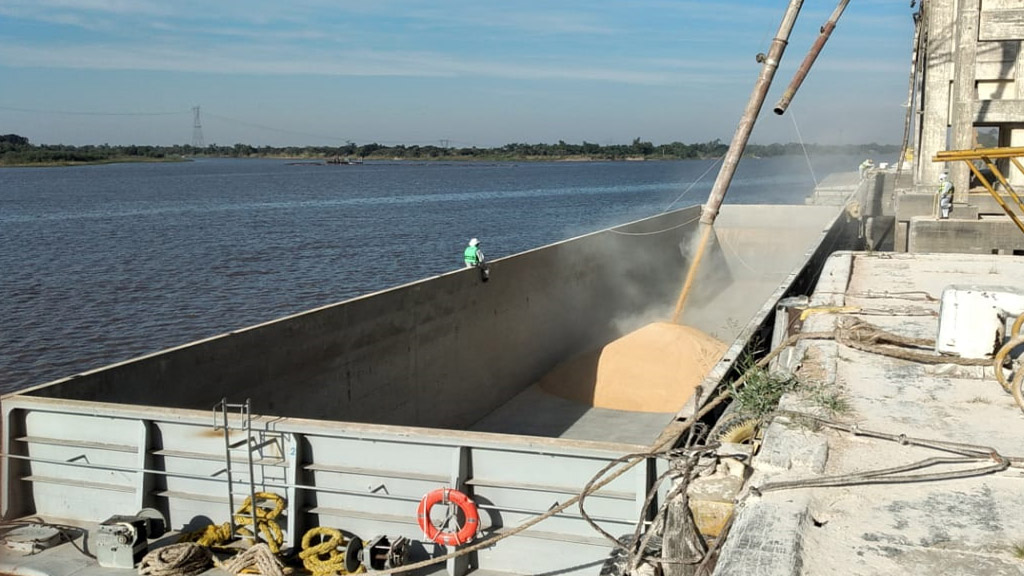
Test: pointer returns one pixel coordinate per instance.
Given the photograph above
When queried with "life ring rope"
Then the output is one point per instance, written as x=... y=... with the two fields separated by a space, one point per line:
x=446 y=496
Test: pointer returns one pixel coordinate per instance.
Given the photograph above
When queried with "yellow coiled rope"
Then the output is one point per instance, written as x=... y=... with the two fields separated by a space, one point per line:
x=217 y=535
x=327 y=556
x=265 y=520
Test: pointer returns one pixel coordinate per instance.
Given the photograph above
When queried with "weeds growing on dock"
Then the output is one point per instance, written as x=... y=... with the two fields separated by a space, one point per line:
x=763 y=389
x=761 y=392
x=827 y=398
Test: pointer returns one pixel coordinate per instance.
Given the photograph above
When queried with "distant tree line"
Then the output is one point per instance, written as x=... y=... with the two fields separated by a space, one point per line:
x=17 y=150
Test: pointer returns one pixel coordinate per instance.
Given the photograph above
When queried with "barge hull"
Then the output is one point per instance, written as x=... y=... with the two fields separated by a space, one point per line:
x=364 y=406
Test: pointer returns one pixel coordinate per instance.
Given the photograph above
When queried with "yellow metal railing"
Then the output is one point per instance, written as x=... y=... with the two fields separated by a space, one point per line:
x=988 y=156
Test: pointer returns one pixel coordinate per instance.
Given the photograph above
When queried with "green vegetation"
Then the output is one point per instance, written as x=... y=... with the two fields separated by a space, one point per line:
x=761 y=391
x=827 y=398
x=16 y=150
x=759 y=395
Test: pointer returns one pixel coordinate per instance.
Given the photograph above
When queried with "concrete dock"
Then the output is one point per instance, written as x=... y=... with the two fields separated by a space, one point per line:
x=880 y=412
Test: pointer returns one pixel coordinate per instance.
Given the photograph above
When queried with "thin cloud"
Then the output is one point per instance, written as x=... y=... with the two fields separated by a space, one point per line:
x=239 y=32
x=113 y=7
x=61 y=19
x=258 y=60
x=545 y=22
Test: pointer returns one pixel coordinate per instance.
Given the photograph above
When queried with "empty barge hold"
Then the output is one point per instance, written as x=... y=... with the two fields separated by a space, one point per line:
x=360 y=408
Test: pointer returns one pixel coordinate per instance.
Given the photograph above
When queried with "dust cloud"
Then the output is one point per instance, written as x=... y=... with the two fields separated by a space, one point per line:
x=656 y=365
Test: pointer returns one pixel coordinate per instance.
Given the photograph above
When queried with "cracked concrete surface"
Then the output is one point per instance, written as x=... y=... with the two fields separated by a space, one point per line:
x=963 y=526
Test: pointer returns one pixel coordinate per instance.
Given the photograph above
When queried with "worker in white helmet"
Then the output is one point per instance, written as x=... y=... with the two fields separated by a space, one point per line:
x=865 y=167
x=473 y=256
x=945 y=196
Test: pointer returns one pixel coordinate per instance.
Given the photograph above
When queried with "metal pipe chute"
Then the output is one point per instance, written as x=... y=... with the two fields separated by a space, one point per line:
x=812 y=55
x=739 y=140
x=769 y=63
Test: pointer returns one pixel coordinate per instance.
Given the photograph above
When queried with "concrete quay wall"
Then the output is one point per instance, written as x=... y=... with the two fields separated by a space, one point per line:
x=849 y=511
x=979 y=227
x=965 y=236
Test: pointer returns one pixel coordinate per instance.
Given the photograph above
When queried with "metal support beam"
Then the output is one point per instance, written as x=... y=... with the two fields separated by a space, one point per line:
x=988 y=156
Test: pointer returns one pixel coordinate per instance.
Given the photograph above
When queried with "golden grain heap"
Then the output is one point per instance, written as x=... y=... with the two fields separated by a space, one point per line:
x=653 y=369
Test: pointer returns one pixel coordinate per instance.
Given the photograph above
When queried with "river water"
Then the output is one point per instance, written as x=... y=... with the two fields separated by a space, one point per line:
x=103 y=263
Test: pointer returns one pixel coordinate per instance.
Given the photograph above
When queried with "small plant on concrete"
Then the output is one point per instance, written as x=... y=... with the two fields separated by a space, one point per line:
x=1018 y=550
x=829 y=399
x=760 y=393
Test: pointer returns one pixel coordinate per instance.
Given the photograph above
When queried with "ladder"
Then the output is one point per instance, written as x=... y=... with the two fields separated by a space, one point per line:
x=222 y=409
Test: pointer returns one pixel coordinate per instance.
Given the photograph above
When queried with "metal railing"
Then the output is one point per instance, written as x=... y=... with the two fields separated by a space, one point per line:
x=989 y=156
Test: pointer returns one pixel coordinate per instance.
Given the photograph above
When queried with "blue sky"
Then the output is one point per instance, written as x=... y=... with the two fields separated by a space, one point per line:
x=468 y=72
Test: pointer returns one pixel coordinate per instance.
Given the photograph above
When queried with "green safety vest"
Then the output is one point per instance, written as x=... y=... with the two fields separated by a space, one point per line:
x=470 y=255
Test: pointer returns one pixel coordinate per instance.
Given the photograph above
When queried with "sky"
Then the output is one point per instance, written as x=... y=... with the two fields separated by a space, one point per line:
x=459 y=73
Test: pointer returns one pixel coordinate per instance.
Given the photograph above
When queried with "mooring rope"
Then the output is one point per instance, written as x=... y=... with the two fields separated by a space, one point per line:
x=968 y=454
x=183 y=559
x=259 y=559
x=867 y=337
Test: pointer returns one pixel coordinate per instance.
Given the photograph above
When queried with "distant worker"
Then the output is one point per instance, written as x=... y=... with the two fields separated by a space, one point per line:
x=473 y=256
x=945 y=195
x=865 y=166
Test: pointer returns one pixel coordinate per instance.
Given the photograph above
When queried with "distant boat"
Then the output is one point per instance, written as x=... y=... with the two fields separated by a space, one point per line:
x=345 y=160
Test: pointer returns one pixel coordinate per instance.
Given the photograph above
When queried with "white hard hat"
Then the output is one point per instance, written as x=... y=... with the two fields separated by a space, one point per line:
x=943 y=176
x=473 y=241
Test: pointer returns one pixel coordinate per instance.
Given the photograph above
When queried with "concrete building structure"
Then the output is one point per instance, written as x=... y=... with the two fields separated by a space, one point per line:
x=968 y=77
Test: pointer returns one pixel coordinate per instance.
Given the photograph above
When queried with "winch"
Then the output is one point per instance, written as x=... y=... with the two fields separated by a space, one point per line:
x=121 y=541
x=378 y=553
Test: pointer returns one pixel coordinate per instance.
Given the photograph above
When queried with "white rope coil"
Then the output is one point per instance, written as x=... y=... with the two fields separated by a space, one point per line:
x=259 y=559
x=185 y=559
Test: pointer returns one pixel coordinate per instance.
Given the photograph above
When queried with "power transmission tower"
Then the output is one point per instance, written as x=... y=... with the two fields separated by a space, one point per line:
x=197 y=129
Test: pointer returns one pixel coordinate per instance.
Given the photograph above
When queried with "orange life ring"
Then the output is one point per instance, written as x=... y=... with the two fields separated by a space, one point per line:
x=448 y=496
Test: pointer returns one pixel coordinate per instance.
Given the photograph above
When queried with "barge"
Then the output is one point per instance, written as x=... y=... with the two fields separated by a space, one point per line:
x=351 y=413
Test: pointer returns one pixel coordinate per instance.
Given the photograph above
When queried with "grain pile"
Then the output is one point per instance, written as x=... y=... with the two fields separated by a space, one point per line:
x=654 y=369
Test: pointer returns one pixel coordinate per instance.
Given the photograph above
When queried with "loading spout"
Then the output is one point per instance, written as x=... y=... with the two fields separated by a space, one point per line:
x=812 y=55
x=769 y=64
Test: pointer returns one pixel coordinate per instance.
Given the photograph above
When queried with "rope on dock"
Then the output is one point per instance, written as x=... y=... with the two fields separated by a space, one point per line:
x=680 y=467
x=867 y=337
x=266 y=520
x=967 y=454
x=322 y=557
x=183 y=559
x=259 y=559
